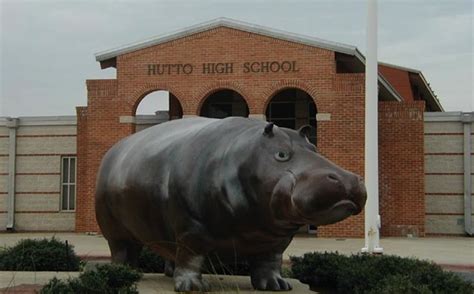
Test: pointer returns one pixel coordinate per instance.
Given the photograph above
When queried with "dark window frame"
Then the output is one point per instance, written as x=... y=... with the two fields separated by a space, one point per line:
x=68 y=183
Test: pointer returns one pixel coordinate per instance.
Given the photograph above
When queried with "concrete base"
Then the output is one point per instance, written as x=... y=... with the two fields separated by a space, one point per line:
x=150 y=283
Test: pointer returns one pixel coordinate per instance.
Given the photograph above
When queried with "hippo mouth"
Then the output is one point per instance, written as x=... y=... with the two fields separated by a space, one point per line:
x=347 y=205
x=337 y=212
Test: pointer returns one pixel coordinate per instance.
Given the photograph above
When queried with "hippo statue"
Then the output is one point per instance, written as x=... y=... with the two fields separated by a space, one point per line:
x=233 y=187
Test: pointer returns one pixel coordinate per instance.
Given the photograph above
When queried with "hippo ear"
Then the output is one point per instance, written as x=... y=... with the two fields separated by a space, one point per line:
x=268 y=131
x=305 y=131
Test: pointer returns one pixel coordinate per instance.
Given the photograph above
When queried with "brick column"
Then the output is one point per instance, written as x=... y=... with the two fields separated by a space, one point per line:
x=97 y=134
x=401 y=167
x=81 y=187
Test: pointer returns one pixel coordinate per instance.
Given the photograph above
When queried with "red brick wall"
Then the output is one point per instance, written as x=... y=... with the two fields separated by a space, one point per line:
x=401 y=166
x=341 y=138
x=399 y=79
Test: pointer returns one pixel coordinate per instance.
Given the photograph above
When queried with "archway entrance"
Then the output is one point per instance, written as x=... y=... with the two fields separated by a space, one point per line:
x=293 y=108
x=224 y=103
x=157 y=107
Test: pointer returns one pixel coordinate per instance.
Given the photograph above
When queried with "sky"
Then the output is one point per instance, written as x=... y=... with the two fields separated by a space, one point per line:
x=47 y=47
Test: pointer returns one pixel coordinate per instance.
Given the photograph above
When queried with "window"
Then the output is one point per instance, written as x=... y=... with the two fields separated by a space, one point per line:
x=292 y=108
x=68 y=183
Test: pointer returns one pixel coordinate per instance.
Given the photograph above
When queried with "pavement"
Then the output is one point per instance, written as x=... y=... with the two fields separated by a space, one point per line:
x=453 y=253
x=26 y=282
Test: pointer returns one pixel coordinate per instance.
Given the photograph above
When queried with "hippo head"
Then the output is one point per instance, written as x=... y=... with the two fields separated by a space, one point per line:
x=302 y=186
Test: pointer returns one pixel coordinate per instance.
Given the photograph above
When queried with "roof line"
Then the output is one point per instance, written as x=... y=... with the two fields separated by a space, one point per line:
x=435 y=98
x=230 y=23
x=381 y=79
x=422 y=77
x=413 y=70
x=247 y=27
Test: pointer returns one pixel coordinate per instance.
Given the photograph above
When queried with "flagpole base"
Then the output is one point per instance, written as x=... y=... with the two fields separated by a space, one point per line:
x=377 y=250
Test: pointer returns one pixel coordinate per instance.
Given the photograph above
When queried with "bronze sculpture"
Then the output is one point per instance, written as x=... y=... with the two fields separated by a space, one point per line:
x=234 y=187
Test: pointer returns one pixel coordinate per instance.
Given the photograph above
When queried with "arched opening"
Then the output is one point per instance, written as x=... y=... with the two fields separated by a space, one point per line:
x=293 y=108
x=224 y=103
x=157 y=107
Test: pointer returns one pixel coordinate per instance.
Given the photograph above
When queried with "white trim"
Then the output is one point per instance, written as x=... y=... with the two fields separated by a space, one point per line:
x=144 y=119
x=12 y=125
x=258 y=116
x=412 y=70
x=435 y=98
x=68 y=120
x=230 y=23
x=467 y=120
x=126 y=119
x=323 y=116
x=443 y=116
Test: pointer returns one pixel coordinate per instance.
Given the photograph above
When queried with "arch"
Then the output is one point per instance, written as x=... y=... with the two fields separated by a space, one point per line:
x=282 y=85
x=141 y=92
x=293 y=108
x=155 y=110
x=175 y=109
x=222 y=103
x=219 y=86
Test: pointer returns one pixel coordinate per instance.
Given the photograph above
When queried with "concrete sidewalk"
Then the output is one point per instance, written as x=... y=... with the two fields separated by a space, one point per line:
x=455 y=252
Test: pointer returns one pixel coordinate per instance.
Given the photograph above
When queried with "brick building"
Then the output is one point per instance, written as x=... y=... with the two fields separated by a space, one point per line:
x=223 y=68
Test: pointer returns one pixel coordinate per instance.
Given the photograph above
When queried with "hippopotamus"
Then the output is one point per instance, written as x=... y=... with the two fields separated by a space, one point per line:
x=234 y=187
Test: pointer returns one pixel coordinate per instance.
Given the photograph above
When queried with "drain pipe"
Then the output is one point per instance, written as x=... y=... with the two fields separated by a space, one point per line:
x=12 y=124
x=467 y=120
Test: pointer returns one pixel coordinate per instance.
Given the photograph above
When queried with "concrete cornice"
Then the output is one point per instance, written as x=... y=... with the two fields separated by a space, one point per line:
x=40 y=121
x=443 y=116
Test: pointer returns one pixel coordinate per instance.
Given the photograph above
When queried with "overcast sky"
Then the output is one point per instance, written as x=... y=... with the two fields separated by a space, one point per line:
x=48 y=47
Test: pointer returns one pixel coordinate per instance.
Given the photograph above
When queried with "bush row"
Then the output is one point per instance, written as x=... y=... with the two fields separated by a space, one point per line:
x=105 y=279
x=364 y=273
x=39 y=255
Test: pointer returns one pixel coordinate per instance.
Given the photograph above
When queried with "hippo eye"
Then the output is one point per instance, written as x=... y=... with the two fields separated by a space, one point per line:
x=282 y=156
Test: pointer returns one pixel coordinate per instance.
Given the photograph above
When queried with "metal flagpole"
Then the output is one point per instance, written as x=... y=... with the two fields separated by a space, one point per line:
x=372 y=217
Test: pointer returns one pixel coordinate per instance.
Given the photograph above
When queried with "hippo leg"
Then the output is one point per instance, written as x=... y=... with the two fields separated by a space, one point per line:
x=169 y=268
x=187 y=273
x=265 y=273
x=125 y=251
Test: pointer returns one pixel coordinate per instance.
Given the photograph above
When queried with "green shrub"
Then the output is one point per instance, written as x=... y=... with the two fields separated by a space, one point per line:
x=396 y=284
x=106 y=279
x=39 y=255
x=364 y=273
x=56 y=286
x=150 y=262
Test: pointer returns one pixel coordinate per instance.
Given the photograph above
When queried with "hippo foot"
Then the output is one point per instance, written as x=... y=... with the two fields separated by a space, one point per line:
x=188 y=283
x=271 y=283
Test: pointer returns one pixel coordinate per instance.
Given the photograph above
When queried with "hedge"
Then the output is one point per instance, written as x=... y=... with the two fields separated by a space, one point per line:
x=363 y=273
x=39 y=255
x=106 y=279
